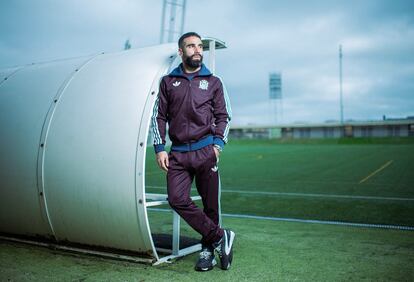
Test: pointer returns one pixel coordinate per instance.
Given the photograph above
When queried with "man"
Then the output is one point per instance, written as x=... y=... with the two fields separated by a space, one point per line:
x=196 y=107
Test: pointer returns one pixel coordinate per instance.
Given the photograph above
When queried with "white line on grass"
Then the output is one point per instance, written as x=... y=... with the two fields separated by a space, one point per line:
x=353 y=224
x=305 y=195
x=375 y=172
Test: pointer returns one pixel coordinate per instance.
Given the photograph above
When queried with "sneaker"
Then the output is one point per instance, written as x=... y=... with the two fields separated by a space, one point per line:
x=224 y=249
x=206 y=260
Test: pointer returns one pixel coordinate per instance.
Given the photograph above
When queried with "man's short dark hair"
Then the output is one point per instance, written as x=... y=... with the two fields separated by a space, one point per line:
x=186 y=35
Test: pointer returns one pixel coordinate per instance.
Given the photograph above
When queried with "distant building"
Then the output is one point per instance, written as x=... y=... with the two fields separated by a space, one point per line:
x=384 y=128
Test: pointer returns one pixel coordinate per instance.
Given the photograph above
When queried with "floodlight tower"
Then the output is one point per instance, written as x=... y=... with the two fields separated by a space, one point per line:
x=174 y=11
x=275 y=95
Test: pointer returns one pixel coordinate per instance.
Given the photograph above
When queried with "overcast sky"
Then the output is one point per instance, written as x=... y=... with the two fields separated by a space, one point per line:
x=300 y=39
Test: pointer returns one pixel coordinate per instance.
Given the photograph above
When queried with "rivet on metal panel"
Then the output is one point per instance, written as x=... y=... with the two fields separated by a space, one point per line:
x=41 y=193
x=42 y=145
x=55 y=100
x=139 y=173
x=153 y=92
x=76 y=69
x=140 y=201
x=141 y=144
x=5 y=78
x=172 y=56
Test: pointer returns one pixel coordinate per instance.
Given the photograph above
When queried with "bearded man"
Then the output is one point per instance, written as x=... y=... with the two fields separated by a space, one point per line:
x=195 y=105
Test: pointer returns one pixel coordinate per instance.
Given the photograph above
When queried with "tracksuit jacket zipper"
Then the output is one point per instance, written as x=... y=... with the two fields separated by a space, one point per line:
x=188 y=110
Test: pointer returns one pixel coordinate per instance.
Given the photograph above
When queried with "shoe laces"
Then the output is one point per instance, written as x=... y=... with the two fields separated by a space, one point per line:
x=205 y=254
x=217 y=247
x=219 y=252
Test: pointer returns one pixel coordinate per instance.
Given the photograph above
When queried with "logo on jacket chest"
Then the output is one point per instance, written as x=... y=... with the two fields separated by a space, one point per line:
x=203 y=84
x=177 y=83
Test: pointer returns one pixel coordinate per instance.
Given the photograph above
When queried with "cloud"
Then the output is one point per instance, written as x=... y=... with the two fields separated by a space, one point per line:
x=44 y=29
x=300 y=39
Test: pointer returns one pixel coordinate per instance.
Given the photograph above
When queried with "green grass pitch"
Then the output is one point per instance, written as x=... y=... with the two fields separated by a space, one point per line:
x=313 y=179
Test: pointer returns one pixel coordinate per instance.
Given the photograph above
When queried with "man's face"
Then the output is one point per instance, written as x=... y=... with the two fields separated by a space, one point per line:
x=192 y=51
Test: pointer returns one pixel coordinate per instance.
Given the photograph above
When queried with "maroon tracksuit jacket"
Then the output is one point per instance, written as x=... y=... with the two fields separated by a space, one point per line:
x=194 y=109
x=198 y=113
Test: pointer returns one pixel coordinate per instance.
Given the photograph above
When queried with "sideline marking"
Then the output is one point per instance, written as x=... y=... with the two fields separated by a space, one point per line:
x=375 y=172
x=304 y=195
x=353 y=224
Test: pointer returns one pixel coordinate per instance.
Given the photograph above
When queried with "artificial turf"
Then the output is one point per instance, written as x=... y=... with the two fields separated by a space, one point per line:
x=270 y=250
x=327 y=167
x=263 y=251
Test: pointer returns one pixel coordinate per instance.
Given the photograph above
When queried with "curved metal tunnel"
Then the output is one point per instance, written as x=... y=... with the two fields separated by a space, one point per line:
x=72 y=147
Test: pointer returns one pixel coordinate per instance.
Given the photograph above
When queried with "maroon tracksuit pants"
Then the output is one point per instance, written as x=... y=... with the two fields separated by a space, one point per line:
x=183 y=167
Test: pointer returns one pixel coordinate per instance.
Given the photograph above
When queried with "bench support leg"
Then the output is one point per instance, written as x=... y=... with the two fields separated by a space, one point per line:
x=176 y=234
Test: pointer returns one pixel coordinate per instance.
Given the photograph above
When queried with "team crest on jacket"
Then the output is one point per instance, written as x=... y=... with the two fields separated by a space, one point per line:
x=203 y=84
x=177 y=83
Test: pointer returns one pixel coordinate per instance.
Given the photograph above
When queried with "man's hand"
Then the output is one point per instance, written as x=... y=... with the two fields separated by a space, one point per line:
x=162 y=160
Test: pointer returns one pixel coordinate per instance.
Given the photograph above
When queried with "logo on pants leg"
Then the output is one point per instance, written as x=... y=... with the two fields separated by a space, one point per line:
x=215 y=168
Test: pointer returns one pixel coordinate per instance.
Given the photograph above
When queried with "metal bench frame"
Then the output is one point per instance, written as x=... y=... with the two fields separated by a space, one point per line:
x=153 y=200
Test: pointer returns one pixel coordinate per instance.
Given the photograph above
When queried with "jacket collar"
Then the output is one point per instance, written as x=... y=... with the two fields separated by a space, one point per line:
x=178 y=71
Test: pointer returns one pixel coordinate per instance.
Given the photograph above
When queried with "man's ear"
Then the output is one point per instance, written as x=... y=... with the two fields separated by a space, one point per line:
x=180 y=52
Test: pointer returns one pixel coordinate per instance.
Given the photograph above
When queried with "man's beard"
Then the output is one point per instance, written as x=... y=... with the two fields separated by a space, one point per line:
x=190 y=62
